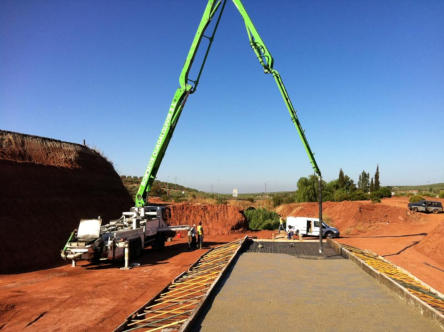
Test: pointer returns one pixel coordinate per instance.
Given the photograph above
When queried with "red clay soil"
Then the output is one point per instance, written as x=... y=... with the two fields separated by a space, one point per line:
x=217 y=219
x=414 y=241
x=433 y=244
x=90 y=297
x=47 y=187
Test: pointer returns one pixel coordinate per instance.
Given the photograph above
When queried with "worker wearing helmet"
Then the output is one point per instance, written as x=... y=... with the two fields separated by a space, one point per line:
x=200 y=234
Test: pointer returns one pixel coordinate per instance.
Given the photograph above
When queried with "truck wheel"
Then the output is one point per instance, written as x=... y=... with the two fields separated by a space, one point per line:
x=159 y=243
x=137 y=249
x=435 y=211
x=329 y=235
x=415 y=209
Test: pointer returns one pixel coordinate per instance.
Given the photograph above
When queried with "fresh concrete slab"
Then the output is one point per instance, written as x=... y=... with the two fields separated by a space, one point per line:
x=279 y=292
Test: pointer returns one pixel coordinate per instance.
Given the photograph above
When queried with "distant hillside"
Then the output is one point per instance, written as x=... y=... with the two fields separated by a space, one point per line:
x=159 y=188
x=434 y=188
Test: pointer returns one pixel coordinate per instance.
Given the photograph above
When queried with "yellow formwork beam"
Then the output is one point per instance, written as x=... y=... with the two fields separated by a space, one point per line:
x=167 y=325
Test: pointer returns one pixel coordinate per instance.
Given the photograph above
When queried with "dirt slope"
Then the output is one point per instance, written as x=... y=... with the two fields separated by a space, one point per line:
x=217 y=219
x=354 y=217
x=47 y=187
x=433 y=244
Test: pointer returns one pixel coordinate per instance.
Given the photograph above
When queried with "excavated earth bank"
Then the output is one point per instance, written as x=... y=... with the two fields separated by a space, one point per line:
x=220 y=219
x=47 y=187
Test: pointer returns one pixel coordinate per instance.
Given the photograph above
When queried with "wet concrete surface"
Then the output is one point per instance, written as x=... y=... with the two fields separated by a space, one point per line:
x=279 y=292
x=303 y=249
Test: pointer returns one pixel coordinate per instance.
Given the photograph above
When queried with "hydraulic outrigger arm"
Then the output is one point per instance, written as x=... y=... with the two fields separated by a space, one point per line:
x=214 y=9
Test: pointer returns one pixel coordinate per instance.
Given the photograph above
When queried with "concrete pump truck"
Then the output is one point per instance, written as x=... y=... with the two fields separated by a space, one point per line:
x=148 y=224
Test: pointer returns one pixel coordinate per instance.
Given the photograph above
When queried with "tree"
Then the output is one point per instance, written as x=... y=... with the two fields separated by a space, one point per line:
x=341 y=179
x=363 y=182
x=372 y=186
x=377 y=178
x=308 y=189
x=349 y=185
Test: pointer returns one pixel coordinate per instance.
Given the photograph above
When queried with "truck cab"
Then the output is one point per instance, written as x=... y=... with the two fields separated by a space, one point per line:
x=310 y=227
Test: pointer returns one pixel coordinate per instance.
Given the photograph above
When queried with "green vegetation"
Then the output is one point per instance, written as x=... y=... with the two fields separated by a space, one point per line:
x=430 y=190
x=261 y=219
x=342 y=189
x=416 y=198
x=283 y=198
x=167 y=191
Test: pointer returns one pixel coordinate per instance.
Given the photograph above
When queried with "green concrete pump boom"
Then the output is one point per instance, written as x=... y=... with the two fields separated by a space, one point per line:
x=188 y=86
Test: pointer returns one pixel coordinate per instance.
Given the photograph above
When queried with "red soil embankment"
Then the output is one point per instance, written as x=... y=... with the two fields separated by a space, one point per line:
x=217 y=219
x=433 y=244
x=47 y=187
x=353 y=217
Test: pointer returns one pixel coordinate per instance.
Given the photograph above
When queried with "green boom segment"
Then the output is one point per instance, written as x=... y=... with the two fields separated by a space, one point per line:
x=188 y=86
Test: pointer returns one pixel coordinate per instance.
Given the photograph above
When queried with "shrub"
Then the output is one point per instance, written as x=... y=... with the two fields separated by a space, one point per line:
x=277 y=200
x=261 y=219
x=441 y=194
x=157 y=190
x=358 y=195
x=381 y=193
x=415 y=199
x=221 y=200
x=341 y=195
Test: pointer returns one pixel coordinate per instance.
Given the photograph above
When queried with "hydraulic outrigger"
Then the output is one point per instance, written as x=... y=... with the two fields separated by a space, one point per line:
x=214 y=9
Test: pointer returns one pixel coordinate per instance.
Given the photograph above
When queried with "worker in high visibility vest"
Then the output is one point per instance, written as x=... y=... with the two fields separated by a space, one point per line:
x=200 y=234
x=281 y=224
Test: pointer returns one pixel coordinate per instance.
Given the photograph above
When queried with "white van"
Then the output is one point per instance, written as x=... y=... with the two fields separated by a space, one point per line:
x=310 y=226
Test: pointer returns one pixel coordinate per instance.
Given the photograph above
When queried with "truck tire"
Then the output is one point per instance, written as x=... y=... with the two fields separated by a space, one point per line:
x=414 y=209
x=135 y=247
x=329 y=235
x=436 y=211
x=159 y=243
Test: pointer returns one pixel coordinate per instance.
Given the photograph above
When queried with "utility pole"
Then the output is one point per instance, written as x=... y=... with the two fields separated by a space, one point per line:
x=320 y=216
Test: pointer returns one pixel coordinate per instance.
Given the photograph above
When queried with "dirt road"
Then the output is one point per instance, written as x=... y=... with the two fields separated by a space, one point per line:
x=92 y=298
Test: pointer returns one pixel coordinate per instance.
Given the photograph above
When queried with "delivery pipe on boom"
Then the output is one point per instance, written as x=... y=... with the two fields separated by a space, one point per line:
x=188 y=86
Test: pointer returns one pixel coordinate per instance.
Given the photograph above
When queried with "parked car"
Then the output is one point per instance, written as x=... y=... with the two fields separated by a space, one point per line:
x=426 y=206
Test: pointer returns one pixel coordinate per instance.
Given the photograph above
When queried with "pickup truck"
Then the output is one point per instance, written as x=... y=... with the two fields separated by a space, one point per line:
x=426 y=206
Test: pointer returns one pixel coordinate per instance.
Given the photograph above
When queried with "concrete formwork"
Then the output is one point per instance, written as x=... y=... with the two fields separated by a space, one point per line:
x=279 y=292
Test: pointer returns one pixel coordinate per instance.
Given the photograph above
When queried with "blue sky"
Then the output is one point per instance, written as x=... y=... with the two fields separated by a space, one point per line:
x=367 y=79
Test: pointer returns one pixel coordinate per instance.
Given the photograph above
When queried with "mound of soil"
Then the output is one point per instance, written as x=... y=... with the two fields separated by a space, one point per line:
x=433 y=244
x=351 y=217
x=47 y=187
x=217 y=219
